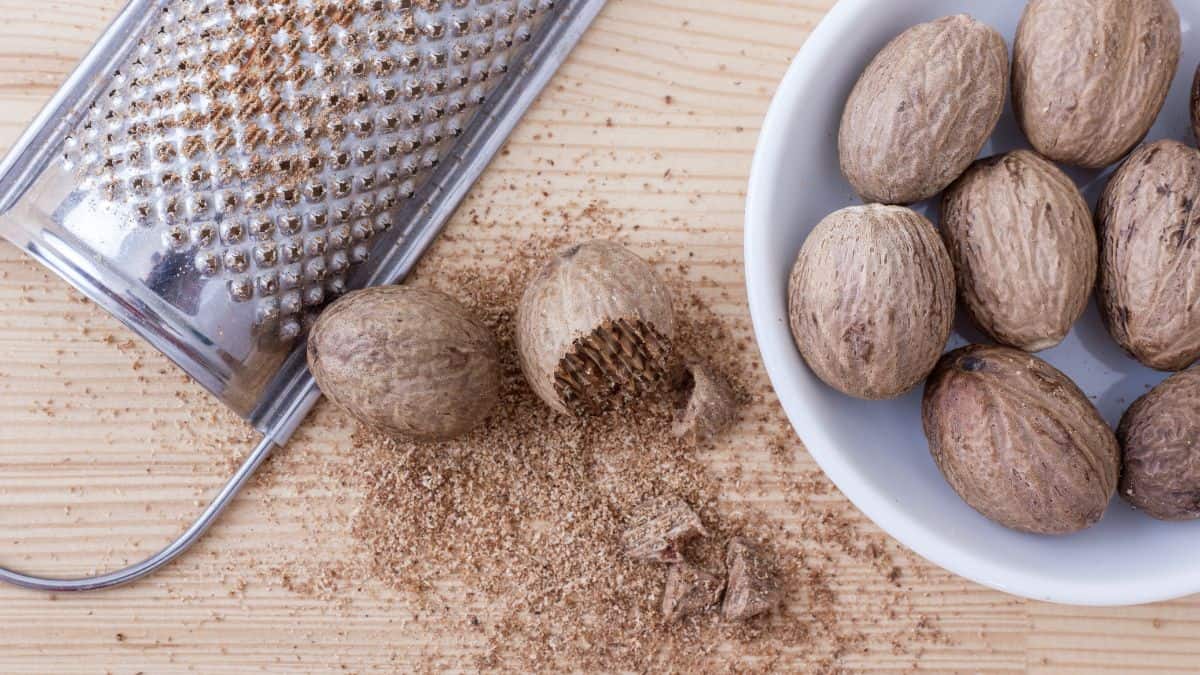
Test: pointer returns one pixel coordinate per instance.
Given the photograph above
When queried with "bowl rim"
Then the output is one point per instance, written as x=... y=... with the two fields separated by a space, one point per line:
x=922 y=538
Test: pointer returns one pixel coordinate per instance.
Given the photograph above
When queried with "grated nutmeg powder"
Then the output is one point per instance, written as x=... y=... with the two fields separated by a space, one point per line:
x=509 y=539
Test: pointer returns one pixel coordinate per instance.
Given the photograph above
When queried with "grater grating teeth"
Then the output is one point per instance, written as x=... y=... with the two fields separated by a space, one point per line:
x=270 y=142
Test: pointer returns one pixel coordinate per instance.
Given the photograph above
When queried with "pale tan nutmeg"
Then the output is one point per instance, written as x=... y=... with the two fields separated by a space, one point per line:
x=1150 y=255
x=1018 y=441
x=406 y=361
x=594 y=326
x=1089 y=78
x=871 y=300
x=1024 y=249
x=923 y=109
x=1160 y=449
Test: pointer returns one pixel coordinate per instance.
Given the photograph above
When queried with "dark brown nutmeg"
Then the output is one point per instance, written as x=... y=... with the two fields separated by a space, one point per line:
x=1160 y=449
x=1018 y=441
x=407 y=361
x=594 y=326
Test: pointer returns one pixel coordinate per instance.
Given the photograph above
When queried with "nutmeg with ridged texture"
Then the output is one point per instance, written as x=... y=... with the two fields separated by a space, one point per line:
x=923 y=109
x=1024 y=249
x=1019 y=441
x=1089 y=78
x=1150 y=255
x=1160 y=449
x=406 y=361
x=871 y=300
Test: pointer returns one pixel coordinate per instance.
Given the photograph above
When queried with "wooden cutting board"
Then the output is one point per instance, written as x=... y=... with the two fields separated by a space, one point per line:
x=107 y=451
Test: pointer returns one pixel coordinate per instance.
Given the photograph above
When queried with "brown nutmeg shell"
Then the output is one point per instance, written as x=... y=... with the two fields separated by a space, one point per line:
x=923 y=109
x=1195 y=105
x=1089 y=78
x=406 y=361
x=871 y=300
x=1150 y=255
x=1024 y=249
x=594 y=325
x=1018 y=441
x=1160 y=446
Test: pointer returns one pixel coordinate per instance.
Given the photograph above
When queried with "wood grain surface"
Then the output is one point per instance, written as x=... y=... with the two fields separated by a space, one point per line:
x=107 y=451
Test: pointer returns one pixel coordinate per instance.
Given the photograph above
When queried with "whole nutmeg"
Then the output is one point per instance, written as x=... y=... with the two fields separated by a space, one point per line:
x=923 y=109
x=1024 y=249
x=1150 y=257
x=1018 y=441
x=1160 y=446
x=871 y=300
x=593 y=325
x=407 y=361
x=1196 y=105
x=1089 y=78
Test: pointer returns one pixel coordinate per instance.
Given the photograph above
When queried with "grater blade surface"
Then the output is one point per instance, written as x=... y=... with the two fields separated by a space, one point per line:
x=218 y=170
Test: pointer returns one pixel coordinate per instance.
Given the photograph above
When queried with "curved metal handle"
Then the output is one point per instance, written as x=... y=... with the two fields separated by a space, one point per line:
x=166 y=555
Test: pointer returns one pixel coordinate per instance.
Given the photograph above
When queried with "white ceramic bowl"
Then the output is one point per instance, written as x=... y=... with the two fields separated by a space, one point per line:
x=875 y=451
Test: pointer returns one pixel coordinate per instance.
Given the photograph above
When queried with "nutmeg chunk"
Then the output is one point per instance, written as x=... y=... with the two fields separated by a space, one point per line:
x=708 y=404
x=753 y=586
x=689 y=591
x=659 y=528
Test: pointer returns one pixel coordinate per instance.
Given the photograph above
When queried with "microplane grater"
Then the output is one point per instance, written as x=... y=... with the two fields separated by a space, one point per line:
x=215 y=171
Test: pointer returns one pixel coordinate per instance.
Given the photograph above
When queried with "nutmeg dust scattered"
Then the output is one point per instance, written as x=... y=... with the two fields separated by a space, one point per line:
x=509 y=540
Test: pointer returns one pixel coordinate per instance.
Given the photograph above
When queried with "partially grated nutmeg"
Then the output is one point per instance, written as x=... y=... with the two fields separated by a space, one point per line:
x=594 y=327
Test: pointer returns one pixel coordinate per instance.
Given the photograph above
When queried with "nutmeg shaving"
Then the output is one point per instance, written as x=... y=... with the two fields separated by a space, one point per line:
x=752 y=587
x=707 y=404
x=689 y=591
x=659 y=528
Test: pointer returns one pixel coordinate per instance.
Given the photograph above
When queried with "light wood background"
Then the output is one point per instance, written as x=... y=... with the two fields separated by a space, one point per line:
x=106 y=450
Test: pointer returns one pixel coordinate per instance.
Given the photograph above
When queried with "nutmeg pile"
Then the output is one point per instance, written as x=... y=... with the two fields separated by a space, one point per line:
x=594 y=330
x=659 y=531
x=872 y=293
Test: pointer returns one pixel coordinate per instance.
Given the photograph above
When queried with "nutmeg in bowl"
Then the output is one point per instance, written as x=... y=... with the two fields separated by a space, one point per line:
x=876 y=451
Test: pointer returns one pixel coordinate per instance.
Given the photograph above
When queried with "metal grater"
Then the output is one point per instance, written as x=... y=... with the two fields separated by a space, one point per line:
x=215 y=171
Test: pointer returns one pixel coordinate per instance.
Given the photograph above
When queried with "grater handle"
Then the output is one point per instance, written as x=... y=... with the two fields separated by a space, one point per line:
x=166 y=555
